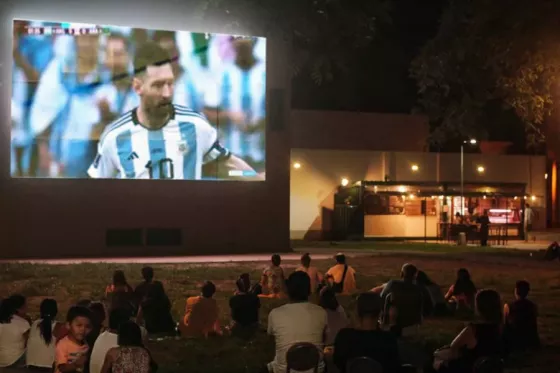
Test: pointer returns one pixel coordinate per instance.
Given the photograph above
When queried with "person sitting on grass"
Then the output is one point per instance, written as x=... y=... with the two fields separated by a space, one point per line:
x=142 y=288
x=273 y=280
x=43 y=335
x=130 y=355
x=14 y=331
x=462 y=293
x=341 y=277
x=297 y=321
x=244 y=309
x=477 y=340
x=315 y=276
x=336 y=316
x=201 y=314
x=155 y=311
x=367 y=339
x=120 y=294
x=71 y=351
x=434 y=300
x=98 y=316
x=107 y=339
x=521 y=331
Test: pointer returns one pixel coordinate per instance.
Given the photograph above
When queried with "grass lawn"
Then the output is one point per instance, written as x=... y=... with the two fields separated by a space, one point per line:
x=496 y=269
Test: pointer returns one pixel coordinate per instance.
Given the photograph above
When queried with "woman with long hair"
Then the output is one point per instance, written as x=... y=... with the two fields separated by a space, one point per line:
x=480 y=339
x=119 y=293
x=14 y=331
x=463 y=291
x=244 y=306
x=130 y=356
x=43 y=335
x=432 y=294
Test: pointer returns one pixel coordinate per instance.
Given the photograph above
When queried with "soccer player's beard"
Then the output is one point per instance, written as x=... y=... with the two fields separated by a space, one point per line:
x=159 y=113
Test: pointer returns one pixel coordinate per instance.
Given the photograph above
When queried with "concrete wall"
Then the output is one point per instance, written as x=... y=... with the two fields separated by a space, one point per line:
x=61 y=218
x=314 y=184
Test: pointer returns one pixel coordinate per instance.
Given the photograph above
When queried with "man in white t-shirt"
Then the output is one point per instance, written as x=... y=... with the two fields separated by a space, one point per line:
x=528 y=217
x=13 y=335
x=298 y=321
x=109 y=339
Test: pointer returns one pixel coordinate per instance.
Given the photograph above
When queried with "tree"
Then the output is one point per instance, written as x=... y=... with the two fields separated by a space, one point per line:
x=324 y=33
x=486 y=53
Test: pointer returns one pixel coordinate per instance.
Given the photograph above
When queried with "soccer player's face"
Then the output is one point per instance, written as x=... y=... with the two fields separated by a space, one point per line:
x=243 y=49
x=116 y=58
x=87 y=47
x=156 y=90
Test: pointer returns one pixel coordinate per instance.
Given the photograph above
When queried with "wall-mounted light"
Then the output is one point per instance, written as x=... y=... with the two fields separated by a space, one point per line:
x=484 y=197
x=414 y=168
x=402 y=189
x=533 y=198
x=344 y=181
x=546 y=176
x=515 y=198
x=472 y=141
x=297 y=165
x=480 y=169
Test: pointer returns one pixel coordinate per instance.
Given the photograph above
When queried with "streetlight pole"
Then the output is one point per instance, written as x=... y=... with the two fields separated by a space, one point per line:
x=471 y=142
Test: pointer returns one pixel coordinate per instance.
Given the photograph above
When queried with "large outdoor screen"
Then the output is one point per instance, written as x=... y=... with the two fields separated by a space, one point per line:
x=111 y=102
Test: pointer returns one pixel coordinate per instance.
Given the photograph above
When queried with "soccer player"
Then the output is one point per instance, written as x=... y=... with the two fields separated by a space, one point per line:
x=237 y=103
x=65 y=110
x=116 y=96
x=189 y=84
x=159 y=139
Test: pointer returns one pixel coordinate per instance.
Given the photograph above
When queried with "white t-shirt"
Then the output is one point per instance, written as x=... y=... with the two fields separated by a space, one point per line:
x=12 y=341
x=294 y=323
x=39 y=353
x=102 y=345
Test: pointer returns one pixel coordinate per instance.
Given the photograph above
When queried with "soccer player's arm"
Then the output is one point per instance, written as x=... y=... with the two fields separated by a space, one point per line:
x=217 y=157
x=103 y=166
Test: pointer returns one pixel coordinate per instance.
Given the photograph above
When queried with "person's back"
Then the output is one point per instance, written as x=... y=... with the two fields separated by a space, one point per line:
x=201 y=316
x=156 y=310
x=273 y=280
x=314 y=275
x=131 y=360
x=488 y=340
x=521 y=320
x=13 y=331
x=39 y=353
x=298 y=321
x=368 y=340
x=105 y=341
x=245 y=309
x=342 y=276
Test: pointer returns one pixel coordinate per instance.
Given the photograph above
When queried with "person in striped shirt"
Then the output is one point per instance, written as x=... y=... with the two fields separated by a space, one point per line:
x=159 y=139
x=237 y=103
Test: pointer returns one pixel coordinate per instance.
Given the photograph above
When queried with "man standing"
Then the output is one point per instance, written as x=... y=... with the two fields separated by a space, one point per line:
x=528 y=217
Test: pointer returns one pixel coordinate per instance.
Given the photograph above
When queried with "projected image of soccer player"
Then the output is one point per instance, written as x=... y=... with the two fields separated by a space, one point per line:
x=159 y=139
x=237 y=103
x=188 y=84
x=65 y=109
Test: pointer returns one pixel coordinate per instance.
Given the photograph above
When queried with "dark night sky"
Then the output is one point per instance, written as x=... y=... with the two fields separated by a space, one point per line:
x=381 y=80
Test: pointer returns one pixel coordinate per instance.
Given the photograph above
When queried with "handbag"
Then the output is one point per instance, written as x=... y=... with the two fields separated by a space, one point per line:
x=338 y=287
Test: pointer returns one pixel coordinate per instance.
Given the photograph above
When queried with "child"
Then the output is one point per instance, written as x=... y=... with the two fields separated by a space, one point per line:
x=71 y=351
x=272 y=279
x=521 y=330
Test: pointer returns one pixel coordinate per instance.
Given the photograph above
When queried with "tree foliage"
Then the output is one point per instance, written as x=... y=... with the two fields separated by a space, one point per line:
x=324 y=33
x=489 y=52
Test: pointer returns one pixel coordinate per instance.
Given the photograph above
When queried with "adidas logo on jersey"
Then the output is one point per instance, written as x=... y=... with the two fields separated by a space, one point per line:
x=132 y=156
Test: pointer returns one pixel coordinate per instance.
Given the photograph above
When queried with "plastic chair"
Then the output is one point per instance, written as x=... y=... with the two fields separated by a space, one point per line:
x=488 y=365
x=302 y=357
x=363 y=365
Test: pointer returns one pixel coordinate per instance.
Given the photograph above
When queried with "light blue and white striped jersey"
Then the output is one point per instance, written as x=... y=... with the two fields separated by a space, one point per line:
x=128 y=150
x=244 y=91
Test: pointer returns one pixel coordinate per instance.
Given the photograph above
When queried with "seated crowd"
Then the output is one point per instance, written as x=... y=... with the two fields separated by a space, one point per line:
x=93 y=340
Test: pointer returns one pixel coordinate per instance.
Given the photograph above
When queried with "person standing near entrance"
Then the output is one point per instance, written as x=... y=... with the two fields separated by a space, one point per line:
x=484 y=221
x=528 y=217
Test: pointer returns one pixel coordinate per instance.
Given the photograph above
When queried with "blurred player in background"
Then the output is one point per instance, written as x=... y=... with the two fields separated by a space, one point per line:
x=159 y=139
x=189 y=85
x=65 y=109
x=20 y=144
x=115 y=97
x=237 y=104
x=36 y=49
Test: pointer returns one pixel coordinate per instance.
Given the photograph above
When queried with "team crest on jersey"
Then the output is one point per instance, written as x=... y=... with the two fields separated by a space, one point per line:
x=183 y=147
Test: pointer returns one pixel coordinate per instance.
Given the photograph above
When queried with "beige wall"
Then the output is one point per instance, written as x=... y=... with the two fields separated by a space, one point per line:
x=312 y=187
